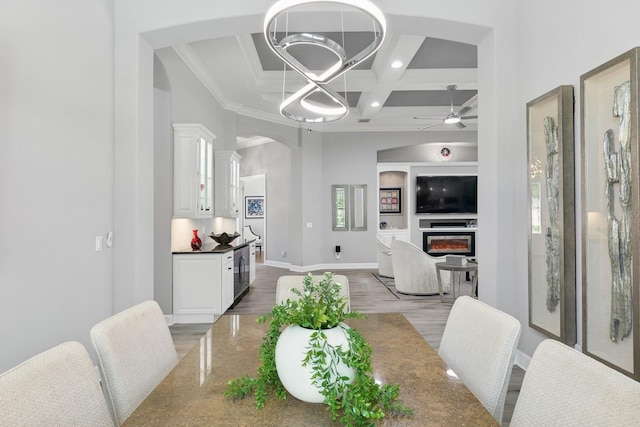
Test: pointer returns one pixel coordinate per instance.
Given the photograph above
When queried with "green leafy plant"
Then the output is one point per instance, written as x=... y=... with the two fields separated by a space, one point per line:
x=360 y=402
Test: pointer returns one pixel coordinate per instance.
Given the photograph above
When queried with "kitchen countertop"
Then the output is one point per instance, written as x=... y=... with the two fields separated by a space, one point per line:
x=214 y=248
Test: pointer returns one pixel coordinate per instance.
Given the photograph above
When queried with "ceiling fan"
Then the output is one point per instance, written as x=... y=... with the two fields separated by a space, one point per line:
x=453 y=118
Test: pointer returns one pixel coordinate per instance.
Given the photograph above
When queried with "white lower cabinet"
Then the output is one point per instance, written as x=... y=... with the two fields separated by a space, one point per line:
x=252 y=264
x=227 y=280
x=202 y=286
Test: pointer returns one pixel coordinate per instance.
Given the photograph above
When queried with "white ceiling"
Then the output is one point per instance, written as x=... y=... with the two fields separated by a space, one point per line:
x=246 y=77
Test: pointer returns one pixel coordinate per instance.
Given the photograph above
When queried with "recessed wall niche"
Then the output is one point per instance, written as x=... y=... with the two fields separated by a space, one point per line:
x=392 y=200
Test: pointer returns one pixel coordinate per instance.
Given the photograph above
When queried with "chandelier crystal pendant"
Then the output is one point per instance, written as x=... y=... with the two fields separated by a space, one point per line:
x=316 y=101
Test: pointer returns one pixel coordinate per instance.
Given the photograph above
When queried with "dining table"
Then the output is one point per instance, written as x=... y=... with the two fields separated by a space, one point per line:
x=192 y=393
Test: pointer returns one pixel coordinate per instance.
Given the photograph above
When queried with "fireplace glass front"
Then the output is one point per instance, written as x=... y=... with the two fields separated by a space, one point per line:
x=449 y=243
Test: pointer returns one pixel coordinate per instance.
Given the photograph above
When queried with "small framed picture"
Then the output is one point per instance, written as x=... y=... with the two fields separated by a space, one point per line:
x=390 y=201
x=254 y=207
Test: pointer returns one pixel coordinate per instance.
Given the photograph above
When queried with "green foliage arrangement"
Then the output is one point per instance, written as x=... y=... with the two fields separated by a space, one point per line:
x=320 y=306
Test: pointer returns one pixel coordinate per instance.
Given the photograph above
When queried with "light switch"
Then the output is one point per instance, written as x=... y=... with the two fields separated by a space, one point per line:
x=309 y=225
x=98 y=243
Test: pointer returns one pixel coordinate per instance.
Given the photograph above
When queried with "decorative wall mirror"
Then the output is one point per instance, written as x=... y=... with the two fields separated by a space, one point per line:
x=358 y=207
x=339 y=205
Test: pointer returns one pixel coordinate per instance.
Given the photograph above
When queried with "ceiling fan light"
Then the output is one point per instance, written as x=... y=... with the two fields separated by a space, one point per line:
x=451 y=119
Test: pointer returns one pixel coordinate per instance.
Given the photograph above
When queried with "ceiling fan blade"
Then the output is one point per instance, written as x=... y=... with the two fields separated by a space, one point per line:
x=427 y=118
x=431 y=125
x=464 y=110
x=460 y=125
x=468 y=117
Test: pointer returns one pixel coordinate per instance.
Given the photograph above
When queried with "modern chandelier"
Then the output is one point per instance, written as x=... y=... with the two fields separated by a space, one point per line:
x=316 y=102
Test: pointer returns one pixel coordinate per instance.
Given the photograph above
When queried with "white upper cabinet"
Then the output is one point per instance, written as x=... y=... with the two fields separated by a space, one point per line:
x=227 y=184
x=193 y=171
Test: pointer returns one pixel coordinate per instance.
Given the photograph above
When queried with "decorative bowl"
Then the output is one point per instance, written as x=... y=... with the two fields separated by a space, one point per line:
x=223 y=238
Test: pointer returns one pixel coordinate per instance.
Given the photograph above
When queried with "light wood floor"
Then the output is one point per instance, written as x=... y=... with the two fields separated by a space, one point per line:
x=368 y=295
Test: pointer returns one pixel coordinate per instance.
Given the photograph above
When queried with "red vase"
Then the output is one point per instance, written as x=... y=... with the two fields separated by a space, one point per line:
x=196 y=243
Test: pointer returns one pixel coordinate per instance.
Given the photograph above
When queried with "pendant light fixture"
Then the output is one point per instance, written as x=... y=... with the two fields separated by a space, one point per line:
x=315 y=101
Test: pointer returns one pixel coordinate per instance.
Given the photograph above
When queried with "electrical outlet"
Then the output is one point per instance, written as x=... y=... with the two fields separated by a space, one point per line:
x=284 y=254
x=98 y=243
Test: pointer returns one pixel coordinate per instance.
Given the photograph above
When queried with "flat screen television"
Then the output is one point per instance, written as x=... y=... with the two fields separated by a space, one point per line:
x=441 y=194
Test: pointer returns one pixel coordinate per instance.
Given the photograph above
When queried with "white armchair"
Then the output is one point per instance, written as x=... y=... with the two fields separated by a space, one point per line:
x=383 y=254
x=249 y=235
x=414 y=270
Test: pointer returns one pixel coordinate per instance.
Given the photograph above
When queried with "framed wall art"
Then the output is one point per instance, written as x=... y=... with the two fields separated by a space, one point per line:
x=390 y=200
x=610 y=206
x=254 y=207
x=550 y=161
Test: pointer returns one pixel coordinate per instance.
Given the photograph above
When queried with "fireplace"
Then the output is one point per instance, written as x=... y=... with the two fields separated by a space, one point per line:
x=438 y=243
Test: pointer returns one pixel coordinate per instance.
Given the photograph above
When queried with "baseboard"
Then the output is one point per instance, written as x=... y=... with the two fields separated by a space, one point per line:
x=194 y=318
x=322 y=267
x=522 y=360
x=277 y=264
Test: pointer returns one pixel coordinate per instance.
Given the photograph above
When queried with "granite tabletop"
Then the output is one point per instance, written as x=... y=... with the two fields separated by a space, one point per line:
x=192 y=393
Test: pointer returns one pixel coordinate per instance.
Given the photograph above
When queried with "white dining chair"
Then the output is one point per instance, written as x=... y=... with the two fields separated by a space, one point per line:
x=58 y=387
x=135 y=352
x=479 y=345
x=563 y=387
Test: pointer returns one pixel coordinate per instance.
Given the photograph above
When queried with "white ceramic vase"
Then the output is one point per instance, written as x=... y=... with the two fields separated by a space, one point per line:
x=291 y=349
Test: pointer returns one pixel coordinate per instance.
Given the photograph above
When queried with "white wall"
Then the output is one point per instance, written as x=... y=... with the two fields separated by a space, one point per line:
x=68 y=111
x=274 y=161
x=56 y=173
x=143 y=25
x=351 y=158
x=252 y=186
x=557 y=43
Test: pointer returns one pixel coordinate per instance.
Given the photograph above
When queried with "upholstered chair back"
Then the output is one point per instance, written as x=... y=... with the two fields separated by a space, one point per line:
x=135 y=352
x=58 y=387
x=479 y=344
x=563 y=387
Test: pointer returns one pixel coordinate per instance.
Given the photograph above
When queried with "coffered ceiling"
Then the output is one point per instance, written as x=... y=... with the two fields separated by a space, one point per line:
x=246 y=77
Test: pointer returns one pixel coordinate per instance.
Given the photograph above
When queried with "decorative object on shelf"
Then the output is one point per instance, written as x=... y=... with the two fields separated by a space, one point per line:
x=254 y=207
x=316 y=102
x=391 y=200
x=352 y=396
x=445 y=154
x=383 y=225
x=224 y=239
x=610 y=202
x=196 y=243
x=550 y=161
